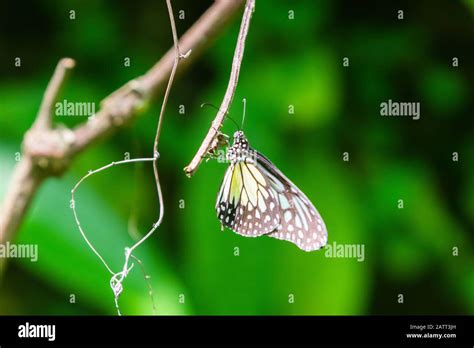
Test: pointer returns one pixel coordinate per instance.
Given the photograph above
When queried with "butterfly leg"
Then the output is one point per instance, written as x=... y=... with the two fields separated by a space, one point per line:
x=220 y=140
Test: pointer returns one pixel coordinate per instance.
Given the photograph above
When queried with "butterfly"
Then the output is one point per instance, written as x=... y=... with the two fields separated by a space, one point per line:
x=256 y=198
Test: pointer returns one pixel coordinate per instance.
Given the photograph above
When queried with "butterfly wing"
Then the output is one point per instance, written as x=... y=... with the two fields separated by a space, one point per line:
x=300 y=222
x=246 y=202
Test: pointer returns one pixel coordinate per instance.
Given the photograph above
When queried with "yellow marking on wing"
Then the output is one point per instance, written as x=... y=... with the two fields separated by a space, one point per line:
x=236 y=183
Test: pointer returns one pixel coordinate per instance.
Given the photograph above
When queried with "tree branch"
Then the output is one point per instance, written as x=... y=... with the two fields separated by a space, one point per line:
x=118 y=108
x=229 y=94
x=27 y=177
x=45 y=114
x=22 y=188
x=48 y=152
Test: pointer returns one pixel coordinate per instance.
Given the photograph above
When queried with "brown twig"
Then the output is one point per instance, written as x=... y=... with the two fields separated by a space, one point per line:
x=28 y=174
x=48 y=152
x=22 y=188
x=116 y=282
x=118 y=107
x=229 y=94
x=45 y=114
x=156 y=154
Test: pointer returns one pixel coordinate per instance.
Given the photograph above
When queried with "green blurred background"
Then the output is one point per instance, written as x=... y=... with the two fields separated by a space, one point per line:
x=336 y=109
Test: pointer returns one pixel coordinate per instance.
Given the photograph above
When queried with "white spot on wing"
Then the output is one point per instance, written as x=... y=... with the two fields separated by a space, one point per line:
x=298 y=222
x=284 y=202
x=272 y=205
x=261 y=203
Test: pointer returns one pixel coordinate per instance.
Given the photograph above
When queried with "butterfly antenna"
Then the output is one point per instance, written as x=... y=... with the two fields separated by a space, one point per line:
x=235 y=123
x=243 y=117
x=227 y=114
x=209 y=104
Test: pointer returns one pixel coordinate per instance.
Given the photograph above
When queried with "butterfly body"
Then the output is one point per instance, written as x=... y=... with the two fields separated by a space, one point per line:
x=256 y=199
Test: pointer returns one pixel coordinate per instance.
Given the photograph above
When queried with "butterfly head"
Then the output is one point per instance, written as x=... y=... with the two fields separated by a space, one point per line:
x=239 y=149
x=239 y=138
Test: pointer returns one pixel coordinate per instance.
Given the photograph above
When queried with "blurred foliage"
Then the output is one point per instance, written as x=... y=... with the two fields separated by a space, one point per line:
x=336 y=109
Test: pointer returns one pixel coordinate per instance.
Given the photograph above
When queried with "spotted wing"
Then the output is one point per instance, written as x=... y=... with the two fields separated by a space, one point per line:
x=300 y=222
x=246 y=203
